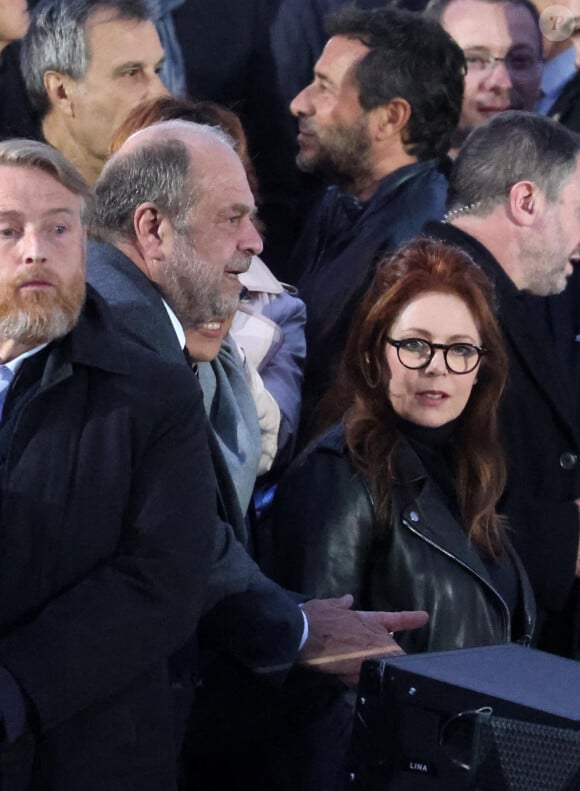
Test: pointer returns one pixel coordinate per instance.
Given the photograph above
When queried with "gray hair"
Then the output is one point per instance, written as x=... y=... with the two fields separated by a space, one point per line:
x=159 y=171
x=56 y=40
x=512 y=146
x=33 y=155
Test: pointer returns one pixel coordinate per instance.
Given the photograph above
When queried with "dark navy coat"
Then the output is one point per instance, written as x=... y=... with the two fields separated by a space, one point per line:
x=106 y=533
x=338 y=254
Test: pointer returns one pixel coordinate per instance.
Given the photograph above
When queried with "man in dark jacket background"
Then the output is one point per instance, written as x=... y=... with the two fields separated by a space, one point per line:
x=515 y=208
x=385 y=98
x=565 y=106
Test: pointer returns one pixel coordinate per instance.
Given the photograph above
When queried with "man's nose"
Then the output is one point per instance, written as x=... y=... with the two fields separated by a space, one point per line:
x=33 y=248
x=155 y=86
x=250 y=241
x=301 y=104
x=499 y=76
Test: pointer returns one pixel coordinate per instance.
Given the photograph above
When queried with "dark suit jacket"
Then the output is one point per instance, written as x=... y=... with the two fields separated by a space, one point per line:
x=540 y=434
x=17 y=118
x=338 y=253
x=566 y=108
x=248 y=617
x=102 y=567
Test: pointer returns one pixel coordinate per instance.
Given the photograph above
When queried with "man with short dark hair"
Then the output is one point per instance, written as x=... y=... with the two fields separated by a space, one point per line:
x=515 y=208
x=86 y=64
x=502 y=44
x=378 y=115
x=108 y=498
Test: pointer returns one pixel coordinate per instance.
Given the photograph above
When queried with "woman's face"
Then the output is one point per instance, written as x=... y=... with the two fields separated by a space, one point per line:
x=431 y=396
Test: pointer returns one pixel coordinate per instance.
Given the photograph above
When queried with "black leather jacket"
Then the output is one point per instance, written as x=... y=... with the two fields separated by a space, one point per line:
x=326 y=543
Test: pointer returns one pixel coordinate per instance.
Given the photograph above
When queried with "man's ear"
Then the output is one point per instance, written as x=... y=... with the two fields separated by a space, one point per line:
x=60 y=90
x=150 y=231
x=391 y=118
x=525 y=202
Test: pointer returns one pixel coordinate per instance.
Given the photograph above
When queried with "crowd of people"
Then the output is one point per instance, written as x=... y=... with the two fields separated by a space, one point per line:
x=289 y=371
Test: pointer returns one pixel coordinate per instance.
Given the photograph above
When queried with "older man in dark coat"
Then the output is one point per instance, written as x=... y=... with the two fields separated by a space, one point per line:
x=176 y=210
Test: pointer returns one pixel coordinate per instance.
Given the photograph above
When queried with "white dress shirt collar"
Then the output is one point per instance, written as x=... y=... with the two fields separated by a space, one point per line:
x=176 y=325
x=14 y=365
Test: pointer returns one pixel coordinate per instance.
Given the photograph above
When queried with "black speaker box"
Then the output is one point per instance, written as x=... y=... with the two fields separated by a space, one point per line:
x=493 y=719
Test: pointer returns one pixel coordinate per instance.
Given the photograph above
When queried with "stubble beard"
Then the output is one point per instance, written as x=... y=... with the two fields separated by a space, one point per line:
x=548 y=276
x=40 y=316
x=196 y=290
x=344 y=155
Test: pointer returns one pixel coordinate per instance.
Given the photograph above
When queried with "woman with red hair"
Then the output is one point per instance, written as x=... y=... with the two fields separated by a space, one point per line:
x=396 y=502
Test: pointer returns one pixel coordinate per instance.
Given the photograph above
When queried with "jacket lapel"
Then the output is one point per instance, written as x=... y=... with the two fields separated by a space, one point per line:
x=418 y=501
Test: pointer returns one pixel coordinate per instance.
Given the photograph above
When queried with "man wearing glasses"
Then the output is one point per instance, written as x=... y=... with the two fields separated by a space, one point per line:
x=502 y=45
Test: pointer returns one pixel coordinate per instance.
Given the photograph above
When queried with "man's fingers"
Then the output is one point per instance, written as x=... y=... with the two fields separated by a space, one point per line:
x=340 y=603
x=340 y=638
x=344 y=602
x=398 y=621
x=406 y=619
x=376 y=621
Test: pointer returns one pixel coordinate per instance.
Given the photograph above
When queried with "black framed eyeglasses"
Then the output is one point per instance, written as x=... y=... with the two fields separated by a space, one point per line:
x=460 y=358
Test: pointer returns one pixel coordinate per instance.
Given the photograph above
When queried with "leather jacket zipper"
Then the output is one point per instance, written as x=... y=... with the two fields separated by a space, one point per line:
x=505 y=608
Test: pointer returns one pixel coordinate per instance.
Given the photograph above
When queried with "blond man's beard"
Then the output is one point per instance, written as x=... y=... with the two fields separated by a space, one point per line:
x=40 y=316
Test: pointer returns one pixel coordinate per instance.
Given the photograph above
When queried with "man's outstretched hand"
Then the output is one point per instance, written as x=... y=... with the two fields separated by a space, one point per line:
x=339 y=638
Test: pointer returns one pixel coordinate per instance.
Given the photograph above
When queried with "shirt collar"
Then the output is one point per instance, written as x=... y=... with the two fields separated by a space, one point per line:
x=14 y=365
x=557 y=72
x=176 y=324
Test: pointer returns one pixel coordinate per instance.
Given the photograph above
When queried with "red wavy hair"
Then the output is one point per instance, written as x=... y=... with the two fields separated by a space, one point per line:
x=360 y=394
